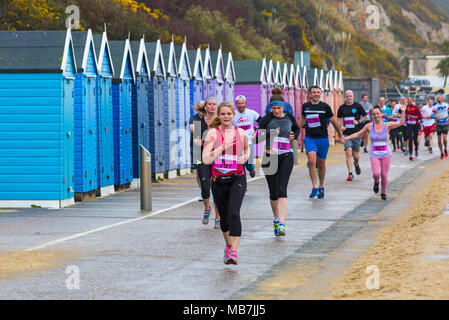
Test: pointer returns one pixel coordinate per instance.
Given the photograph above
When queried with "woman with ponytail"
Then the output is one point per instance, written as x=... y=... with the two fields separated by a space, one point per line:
x=226 y=149
x=280 y=129
x=287 y=106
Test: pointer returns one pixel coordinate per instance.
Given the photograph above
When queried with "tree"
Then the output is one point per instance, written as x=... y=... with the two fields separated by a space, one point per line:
x=443 y=69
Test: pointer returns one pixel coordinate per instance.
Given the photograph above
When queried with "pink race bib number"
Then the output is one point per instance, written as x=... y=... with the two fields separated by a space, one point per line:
x=380 y=148
x=245 y=127
x=226 y=163
x=411 y=121
x=313 y=121
x=281 y=145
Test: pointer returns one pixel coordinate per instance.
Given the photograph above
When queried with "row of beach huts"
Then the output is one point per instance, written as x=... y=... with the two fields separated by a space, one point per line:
x=74 y=108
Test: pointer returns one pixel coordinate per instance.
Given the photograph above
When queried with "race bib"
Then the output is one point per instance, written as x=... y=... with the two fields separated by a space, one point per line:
x=281 y=145
x=313 y=120
x=411 y=121
x=349 y=122
x=226 y=163
x=380 y=148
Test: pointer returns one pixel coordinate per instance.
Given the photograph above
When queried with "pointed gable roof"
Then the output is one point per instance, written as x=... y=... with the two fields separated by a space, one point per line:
x=271 y=73
x=38 y=52
x=184 y=68
x=305 y=78
x=285 y=76
x=230 y=68
x=168 y=51
x=216 y=57
x=278 y=75
x=155 y=58
x=335 y=79
x=298 y=77
x=341 y=86
x=122 y=55
x=292 y=76
x=102 y=47
x=83 y=43
x=196 y=64
x=207 y=64
x=140 y=57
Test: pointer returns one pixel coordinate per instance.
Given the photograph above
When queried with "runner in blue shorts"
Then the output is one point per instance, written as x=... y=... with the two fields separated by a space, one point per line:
x=315 y=115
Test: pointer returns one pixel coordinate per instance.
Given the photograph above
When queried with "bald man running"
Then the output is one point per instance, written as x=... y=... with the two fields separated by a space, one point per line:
x=351 y=116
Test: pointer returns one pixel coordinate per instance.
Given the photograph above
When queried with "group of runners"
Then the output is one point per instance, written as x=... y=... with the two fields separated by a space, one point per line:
x=223 y=140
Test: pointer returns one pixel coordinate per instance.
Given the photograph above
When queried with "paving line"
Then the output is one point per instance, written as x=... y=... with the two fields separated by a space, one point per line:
x=149 y=215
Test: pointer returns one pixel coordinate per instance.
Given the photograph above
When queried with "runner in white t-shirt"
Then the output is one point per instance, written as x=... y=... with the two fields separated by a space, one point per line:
x=244 y=118
x=442 y=124
x=428 y=123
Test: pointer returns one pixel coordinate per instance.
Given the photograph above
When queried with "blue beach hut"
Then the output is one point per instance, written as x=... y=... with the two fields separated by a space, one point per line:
x=140 y=115
x=184 y=76
x=105 y=133
x=173 y=111
x=37 y=82
x=122 y=83
x=196 y=82
x=156 y=107
x=86 y=144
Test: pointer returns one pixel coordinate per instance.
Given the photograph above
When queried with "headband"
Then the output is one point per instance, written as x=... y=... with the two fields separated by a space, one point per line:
x=209 y=98
x=240 y=97
x=276 y=103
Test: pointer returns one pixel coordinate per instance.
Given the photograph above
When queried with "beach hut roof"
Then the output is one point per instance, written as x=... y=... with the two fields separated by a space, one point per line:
x=216 y=58
x=120 y=51
x=251 y=71
x=298 y=77
x=102 y=44
x=155 y=58
x=207 y=64
x=82 y=42
x=230 y=67
x=140 y=56
x=196 y=62
x=184 y=61
x=36 y=51
x=278 y=74
x=168 y=51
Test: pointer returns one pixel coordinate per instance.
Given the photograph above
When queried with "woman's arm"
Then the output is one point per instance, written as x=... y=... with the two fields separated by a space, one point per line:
x=360 y=133
x=246 y=151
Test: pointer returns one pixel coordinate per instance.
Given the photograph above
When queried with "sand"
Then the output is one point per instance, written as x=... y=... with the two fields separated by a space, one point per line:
x=412 y=255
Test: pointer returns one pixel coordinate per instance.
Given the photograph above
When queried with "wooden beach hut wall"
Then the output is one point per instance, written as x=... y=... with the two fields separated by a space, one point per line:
x=252 y=82
x=86 y=140
x=105 y=125
x=209 y=74
x=140 y=117
x=196 y=83
x=219 y=74
x=173 y=110
x=37 y=83
x=156 y=107
x=184 y=76
x=122 y=83
x=291 y=86
x=229 y=79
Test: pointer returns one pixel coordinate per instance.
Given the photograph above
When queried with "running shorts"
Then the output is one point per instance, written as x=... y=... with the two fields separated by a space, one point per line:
x=319 y=145
x=428 y=130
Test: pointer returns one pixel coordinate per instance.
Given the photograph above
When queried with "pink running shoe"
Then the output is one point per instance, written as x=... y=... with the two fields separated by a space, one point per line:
x=227 y=255
x=234 y=258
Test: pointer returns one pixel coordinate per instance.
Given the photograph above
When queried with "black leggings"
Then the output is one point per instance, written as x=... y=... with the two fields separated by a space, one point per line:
x=277 y=178
x=396 y=138
x=228 y=198
x=412 y=134
x=205 y=173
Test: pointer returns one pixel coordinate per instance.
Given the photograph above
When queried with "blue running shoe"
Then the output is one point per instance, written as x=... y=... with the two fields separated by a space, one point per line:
x=206 y=216
x=281 y=231
x=275 y=227
x=314 y=193
x=320 y=193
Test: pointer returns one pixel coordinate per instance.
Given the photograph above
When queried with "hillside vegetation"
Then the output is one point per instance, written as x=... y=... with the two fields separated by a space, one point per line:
x=332 y=30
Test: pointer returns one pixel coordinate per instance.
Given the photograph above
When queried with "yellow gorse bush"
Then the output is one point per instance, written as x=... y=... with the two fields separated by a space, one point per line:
x=134 y=6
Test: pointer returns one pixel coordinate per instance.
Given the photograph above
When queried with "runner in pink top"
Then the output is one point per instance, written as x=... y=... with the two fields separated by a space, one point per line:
x=226 y=148
x=380 y=150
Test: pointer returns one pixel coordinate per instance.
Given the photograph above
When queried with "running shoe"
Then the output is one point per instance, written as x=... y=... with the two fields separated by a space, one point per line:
x=350 y=177
x=200 y=198
x=275 y=227
x=358 y=170
x=406 y=153
x=376 y=187
x=364 y=150
x=362 y=144
x=427 y=143
x=217 y=223
x=252 y=173
x=206 y=216
x=320 y=193
x=383 y=196
x=281 y=230
x=227 y=254
x=446 y=154
x=314 y=193
x=234 y=259
x=410 y=158
x=430 y=150
x=416 y=154
x=442 y=156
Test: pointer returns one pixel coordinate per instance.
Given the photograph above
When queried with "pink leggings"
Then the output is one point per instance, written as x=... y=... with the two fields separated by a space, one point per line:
x=380 y=169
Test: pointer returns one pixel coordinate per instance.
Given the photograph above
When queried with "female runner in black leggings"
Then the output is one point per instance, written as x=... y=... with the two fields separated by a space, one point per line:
x=280 y=129
x=226 y=148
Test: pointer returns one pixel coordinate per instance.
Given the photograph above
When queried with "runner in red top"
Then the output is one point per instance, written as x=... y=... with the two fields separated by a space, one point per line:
x=413 y=115
x=226 y=148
